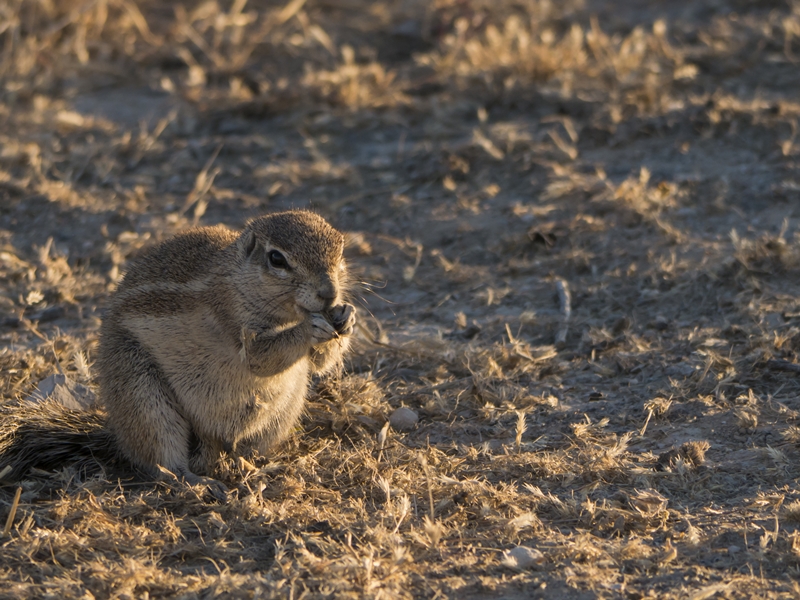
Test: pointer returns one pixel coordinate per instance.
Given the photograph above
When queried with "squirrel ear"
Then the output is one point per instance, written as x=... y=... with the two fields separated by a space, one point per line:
x=247 y=244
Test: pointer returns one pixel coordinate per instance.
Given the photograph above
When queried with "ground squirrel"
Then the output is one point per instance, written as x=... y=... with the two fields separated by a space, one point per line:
x=210 y=340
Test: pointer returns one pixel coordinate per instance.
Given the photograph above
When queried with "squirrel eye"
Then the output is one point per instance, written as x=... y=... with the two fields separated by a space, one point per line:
x=277 y=260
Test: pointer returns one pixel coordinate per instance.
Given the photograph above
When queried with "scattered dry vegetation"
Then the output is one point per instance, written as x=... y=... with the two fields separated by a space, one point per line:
x=482 y=156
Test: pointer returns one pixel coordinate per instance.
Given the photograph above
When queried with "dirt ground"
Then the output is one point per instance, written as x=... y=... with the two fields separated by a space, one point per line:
x=481 y=156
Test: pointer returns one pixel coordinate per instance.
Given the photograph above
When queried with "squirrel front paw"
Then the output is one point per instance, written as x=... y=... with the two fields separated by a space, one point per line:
x=321 y=330
x=343 y=318
x=338 y=321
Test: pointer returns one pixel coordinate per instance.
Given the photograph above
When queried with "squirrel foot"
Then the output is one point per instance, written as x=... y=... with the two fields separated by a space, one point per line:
x=217 y=489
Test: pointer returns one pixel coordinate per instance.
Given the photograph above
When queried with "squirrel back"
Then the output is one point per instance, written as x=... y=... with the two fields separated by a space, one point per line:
x=181 y=259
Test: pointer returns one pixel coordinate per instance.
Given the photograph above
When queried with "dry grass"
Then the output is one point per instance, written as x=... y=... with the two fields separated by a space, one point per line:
x=482 y=156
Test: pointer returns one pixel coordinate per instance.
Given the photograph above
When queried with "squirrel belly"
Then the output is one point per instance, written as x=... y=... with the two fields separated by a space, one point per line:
x=210 y=340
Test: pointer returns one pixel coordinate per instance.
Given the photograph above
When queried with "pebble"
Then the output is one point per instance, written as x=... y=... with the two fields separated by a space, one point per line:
x=403 y=419
x=522 y=557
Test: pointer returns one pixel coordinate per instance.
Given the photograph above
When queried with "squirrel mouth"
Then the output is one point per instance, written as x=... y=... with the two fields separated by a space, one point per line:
x=307 y=311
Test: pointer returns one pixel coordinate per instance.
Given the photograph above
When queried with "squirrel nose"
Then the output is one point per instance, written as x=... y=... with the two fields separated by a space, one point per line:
x=327 y=293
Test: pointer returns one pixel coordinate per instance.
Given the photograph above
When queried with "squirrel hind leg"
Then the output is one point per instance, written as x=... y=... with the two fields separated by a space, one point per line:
x=142 y=413
x=148 y=429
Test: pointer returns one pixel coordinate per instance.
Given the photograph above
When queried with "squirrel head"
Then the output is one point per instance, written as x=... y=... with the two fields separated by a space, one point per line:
x=290 y=263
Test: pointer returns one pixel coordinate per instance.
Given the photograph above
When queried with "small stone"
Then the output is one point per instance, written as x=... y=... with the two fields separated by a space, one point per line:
x=681 y=369
x=472 y=330
x=403 y=419
x=661 y=323
x=522 y=557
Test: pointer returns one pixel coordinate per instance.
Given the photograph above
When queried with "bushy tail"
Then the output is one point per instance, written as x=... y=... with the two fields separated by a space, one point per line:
x=47 y=435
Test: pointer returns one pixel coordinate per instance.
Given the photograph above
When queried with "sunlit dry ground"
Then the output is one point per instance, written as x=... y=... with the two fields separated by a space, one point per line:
x=480 y=155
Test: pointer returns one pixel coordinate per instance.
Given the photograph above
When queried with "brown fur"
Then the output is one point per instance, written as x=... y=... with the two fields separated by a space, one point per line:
x=207 y=344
